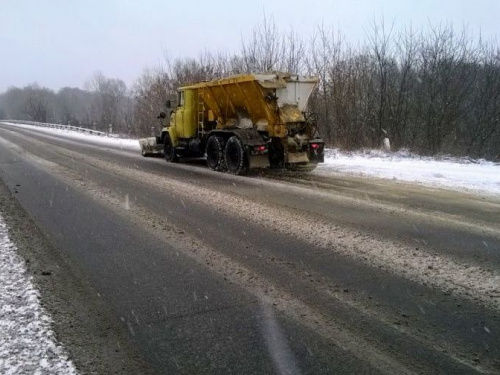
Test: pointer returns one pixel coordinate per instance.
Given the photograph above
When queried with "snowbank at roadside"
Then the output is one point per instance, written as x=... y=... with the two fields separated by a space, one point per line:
x=454 y=173
x=27 y=344
x=121 y=143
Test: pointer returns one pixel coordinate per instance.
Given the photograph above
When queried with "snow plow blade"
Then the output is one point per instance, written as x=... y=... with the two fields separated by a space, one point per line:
x=150 y=146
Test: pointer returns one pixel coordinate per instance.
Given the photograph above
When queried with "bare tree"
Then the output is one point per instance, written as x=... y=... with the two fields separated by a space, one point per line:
x=74 y=106
x=38 y=105
x=151 y=91
x=323 y=49
x=406 y=46
x=479 y=132
x=263 y=51
x=380 y=41
x=445 y=79
x=108 y=98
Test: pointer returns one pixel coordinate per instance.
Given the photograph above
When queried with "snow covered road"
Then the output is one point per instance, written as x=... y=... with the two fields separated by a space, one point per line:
x=362 y=275
x=27 y=343
x=460 y=174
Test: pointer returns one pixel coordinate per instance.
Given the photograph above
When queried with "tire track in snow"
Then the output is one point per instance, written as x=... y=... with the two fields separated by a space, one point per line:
x=237 y=273
x=440 y=271
x=264 y=290
x=465 y=280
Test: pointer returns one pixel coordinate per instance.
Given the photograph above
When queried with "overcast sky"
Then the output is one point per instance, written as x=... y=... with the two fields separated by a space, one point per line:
x=61 y=43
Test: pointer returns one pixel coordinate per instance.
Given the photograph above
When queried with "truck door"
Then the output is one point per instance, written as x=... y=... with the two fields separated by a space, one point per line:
x=179 y=114
x=185 y=117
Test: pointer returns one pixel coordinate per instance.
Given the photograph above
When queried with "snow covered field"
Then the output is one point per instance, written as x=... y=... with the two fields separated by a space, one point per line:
x=465 y=174
x=477 y=176
x=27 y=344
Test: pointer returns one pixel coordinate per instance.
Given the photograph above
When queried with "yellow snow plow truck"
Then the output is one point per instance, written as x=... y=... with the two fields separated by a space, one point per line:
x=242 y=122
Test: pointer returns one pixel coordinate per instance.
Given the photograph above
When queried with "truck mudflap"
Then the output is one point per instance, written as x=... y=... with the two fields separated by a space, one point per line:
x=299 y=161
x=150 y=146
x=316 y=151
x=306 y=160
x=258 y=161
x=297 y=158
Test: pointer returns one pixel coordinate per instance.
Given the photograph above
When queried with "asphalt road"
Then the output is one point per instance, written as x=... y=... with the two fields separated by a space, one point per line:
x=283 y=273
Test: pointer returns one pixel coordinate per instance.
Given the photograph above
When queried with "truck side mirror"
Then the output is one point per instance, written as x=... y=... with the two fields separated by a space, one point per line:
x=168 y=104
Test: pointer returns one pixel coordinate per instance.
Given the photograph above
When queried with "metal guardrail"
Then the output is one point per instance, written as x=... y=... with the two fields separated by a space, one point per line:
x=63 y=127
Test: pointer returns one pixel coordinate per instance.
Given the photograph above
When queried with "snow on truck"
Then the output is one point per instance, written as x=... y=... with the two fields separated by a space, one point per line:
x=242 y=122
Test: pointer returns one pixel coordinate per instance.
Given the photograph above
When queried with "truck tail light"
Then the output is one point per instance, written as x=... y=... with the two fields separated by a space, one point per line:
x=261 y=149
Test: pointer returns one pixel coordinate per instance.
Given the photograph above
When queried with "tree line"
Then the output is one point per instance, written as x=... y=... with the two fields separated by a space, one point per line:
x=103 y=102
x=435 y=90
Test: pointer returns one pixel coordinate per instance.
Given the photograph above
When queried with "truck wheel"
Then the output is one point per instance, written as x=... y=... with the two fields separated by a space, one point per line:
x=169 y=151
x=236 y=157
x=215 y=153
